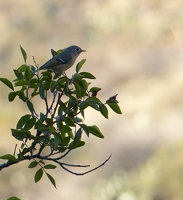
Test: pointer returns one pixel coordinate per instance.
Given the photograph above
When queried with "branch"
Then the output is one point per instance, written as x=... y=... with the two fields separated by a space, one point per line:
x=82 y=173
x=53 y=101
x=9 y=163
x=57 y=103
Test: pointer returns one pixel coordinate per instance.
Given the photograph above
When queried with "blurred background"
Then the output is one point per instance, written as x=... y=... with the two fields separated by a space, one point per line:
x=134 y=48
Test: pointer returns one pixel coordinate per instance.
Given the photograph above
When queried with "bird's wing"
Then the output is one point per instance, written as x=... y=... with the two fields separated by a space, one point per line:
x=63 y=59
x=55 y=61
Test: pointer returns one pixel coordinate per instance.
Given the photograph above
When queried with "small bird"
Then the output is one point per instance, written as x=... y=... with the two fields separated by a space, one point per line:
x=63 y=61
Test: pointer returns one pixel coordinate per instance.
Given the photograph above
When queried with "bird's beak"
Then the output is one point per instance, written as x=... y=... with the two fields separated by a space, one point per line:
x=83 y=50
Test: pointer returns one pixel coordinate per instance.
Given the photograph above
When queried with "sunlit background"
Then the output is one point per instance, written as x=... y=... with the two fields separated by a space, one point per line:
x=134 y=48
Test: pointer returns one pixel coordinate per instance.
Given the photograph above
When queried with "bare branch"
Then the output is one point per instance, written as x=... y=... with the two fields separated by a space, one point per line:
x=57 y=103
x=82 y=173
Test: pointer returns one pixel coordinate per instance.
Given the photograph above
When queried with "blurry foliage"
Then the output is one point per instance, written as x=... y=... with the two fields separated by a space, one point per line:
x=146 y=32
x=160 y=178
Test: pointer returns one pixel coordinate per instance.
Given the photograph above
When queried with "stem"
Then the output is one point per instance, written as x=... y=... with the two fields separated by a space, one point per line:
x=57 y=103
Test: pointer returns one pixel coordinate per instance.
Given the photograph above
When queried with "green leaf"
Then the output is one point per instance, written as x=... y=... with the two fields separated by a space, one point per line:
x=42 y=162
x=72 y=102
x=79 y=65
x=8 y=157
x=12 y=96
x=87 y=75
x=66 y=89
x=18 y=74
x=103 y=110
x=53 y=52
x=47 y=73
x=38 y=175
x=62 y=106
x=20 y=83
x=84 y=86
x=27 y=74
x=7 y=83
x=33 y=164
x=78 y=90
x=95 y=131
x=30 y=124
x=54 y=142
x=30 y=106
x=94 y=99
x=46 y=82
x=58 y=83
x=23 y=120
x=52 y=180
x=42 y=116
x=25 y=150
x=93 y=89
x=21 y=95
x=34 y=80
x=66 y=129
x=59 y=125
x=66 y=140
x=49 y=166
x=13 y=198
x=115 y=107
x=70 y=134
x=32 y=69
x=41 y=91
x=24 y=54
x=69 y=121
x=51 y=129
x=22 y=68
x=74 y=145
x=76 y=77
x=20 y=135
x=83 y=105
x=35 y=93
x=49 y=121
x=85 y=128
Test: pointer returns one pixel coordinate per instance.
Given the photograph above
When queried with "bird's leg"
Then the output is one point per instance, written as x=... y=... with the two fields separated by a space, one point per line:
x=64 y=74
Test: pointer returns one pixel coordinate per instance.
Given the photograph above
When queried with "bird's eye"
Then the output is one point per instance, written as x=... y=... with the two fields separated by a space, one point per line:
x=77 y=49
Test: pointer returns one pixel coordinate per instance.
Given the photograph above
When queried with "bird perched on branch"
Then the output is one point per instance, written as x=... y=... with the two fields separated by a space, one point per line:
x=63 y=60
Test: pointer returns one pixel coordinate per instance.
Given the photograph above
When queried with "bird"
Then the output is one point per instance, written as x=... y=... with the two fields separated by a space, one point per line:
x=63 y=60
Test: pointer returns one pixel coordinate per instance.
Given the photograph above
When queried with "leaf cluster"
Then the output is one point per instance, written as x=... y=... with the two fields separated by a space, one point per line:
x=55 y=128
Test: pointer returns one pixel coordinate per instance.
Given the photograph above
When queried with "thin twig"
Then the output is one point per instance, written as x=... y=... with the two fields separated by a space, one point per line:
x=53 y=101
x=46 y=103
x=57 y=103
x=73 y=165
x=83 y=173
x=37 y=65
x=15 y=150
